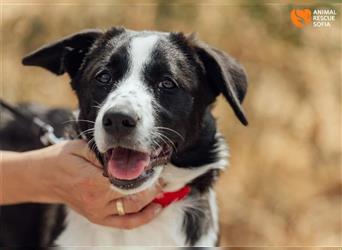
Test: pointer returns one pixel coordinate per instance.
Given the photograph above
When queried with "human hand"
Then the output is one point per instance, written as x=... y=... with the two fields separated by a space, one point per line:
x=69 y=173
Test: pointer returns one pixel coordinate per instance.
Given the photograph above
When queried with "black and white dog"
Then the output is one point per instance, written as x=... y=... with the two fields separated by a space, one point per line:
x=149 y=97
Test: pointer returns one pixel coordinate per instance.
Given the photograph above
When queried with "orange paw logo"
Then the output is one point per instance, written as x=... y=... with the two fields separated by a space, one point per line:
x=300 y=18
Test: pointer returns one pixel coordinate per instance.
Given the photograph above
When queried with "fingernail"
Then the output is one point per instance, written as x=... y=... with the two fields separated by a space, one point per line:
x=157 y=209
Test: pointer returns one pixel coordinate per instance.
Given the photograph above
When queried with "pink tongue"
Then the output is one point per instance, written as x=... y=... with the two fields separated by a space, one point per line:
x=126 y=164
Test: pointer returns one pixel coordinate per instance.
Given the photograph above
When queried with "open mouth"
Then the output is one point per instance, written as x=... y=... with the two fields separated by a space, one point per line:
x=128 y=168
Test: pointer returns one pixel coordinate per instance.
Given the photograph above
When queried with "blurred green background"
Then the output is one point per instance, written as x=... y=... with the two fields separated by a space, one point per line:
x=283 y=186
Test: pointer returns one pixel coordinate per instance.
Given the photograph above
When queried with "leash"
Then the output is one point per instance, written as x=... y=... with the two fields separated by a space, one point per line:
x=45 y=131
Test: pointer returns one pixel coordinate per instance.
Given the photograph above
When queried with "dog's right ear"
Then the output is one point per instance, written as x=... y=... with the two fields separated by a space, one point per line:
x=65 y=55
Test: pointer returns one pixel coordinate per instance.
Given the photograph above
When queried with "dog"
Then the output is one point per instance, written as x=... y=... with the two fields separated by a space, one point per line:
x=148 y=97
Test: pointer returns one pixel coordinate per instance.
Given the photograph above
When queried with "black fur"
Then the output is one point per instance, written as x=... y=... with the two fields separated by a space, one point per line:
x=193 y=224
x=201 y=74
x=65 y=55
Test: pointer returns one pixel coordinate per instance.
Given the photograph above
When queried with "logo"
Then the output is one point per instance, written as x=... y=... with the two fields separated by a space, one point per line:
x=316 y=18
x=300 y=18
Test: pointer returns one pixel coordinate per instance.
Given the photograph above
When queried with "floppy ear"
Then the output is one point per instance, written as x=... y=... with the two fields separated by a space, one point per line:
x=65 y=55
x=225 y=75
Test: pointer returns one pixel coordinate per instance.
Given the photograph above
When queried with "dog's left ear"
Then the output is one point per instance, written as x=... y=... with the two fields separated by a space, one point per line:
x=224 y=75
x=65 y=55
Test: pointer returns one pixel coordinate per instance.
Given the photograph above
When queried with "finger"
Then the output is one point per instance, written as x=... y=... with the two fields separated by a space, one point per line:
x=92 y=179
x=81 y=148
x=134 y=203
x=133 y=220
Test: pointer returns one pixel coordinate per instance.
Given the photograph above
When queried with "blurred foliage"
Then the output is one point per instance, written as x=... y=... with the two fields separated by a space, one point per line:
x=276 y=27
x=284 y=184
x=166 y=13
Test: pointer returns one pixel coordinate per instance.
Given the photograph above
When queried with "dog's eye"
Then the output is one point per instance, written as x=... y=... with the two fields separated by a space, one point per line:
x=103 y=77
x=167 y=84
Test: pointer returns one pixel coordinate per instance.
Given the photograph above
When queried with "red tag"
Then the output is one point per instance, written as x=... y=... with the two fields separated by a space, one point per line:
x=170 y=197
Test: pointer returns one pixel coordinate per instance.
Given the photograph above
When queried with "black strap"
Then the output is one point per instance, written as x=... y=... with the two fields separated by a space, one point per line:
x=46 y=131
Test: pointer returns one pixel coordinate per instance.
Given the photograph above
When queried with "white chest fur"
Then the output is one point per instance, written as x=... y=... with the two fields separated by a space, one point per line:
x=165 y=230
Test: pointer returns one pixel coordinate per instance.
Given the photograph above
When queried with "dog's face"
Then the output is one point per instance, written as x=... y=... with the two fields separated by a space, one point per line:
x=142 y=95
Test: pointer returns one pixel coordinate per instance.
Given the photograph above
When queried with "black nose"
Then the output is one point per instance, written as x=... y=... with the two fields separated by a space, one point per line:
x=119 y=123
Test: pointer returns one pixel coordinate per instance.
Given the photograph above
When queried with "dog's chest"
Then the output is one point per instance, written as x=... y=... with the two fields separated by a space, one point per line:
x=166 y=229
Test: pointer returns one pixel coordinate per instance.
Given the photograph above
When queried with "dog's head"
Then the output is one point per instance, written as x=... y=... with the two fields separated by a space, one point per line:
x=142 y=95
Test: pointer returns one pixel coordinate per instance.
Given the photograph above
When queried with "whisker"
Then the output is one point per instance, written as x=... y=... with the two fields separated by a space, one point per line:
x=158 y=136
x=165 y=140
x=164 y=136
x=170 y=142
x=171 y=130
x=88 y=131
x=69 y=121
x=91 y=144
x=156 y=143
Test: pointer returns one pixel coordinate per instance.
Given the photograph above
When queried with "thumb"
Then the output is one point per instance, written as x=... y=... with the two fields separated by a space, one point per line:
x=81 y=149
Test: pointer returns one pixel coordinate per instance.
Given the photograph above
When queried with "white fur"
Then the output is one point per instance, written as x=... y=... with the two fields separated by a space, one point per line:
x=131 y=92
x=177 y=178
x=165 y=230
x=211 y=238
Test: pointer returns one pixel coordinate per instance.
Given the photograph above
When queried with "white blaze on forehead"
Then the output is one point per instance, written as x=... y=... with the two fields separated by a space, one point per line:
x=131 y=94
x=140 y=52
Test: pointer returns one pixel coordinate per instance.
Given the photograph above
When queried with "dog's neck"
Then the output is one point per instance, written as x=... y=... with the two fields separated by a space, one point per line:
x=202 y=150
x=198 y=165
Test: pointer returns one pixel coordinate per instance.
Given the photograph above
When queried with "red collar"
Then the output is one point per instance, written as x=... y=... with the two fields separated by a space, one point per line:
x=170 y=197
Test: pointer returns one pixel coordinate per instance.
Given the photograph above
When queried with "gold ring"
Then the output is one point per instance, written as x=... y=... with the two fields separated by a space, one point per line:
x=120 y=207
